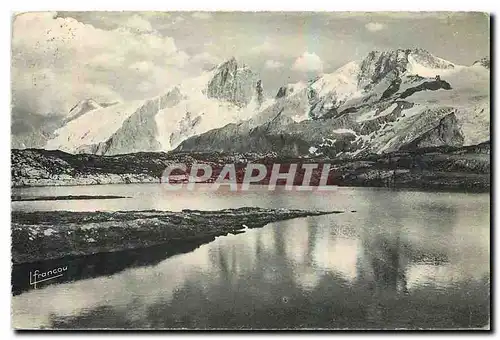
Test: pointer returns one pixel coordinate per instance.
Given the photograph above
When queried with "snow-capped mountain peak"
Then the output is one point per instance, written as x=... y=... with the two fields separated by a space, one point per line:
x=394 y=63
x=388 y=100
x=429 y=60
x=229 y=93
x=343 y=82
x=82 y=107
x=385 y=101
x=233 y=82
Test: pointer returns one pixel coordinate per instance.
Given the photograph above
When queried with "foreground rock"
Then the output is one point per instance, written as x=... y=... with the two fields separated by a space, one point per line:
x=49 y=235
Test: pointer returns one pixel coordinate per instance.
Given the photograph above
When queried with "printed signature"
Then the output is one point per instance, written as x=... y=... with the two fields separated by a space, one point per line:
x=37 y=276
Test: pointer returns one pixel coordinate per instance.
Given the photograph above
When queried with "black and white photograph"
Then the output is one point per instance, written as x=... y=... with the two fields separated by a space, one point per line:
x=237 y=170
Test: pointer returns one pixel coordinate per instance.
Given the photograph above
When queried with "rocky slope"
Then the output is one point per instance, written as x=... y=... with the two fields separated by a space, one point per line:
x=36 y=167
x=445 y=168
x=229 y=93
x=386 y=102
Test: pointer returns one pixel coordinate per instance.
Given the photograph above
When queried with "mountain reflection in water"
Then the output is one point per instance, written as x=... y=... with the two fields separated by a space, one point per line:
x=398 y=262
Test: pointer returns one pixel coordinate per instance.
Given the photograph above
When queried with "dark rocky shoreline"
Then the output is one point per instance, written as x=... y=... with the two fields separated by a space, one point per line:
x=16 y=198
x=435 y=168
x=38 y=236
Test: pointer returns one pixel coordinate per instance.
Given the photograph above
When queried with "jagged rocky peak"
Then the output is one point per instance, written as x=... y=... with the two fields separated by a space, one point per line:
x=235 y=83
x=259 y=91
x=485 y=62
x=282 y=92
x=289 y=89
x=377 y=65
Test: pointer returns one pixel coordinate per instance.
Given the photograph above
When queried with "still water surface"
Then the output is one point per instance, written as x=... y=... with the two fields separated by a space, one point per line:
x=400 y=259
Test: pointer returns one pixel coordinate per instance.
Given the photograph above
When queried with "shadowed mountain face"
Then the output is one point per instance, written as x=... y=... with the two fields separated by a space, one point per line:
x=233 y=83
x=383 y=103
x=229 y=93
x=31 y=129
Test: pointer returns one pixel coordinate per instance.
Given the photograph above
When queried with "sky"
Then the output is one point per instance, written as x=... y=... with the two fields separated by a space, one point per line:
x=60 y=58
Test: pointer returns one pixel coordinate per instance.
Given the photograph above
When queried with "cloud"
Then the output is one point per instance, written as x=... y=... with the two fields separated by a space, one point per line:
x=58 y=61
x=139 y=24
x=308 y=62
x=178 y=19
x=166 y=21
x=205 y=60
x=142 y=66
x=265 y=47
x=375 y=26
x=201 y=15
x=271 y=48
x=273 y=64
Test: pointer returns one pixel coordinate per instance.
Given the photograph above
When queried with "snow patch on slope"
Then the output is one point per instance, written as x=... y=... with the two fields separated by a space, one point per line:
x=93 y=127
x=341 y=131
x=343 y=82
x=296 y=87
x=183 y=111
x=475 y=123
x=414 y=67
x=369 y=115
x=83 y=106
x=203 y=113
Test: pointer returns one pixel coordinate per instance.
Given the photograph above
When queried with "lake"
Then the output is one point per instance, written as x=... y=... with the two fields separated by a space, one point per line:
x=394 y=259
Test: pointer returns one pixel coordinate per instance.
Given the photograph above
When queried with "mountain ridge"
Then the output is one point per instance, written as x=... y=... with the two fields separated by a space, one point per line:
x=382 y=102
x=230 y=91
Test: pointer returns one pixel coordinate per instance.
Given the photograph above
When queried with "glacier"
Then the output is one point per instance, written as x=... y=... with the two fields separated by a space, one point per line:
x=229 y=93
x=381 y=103
x=387 y=101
